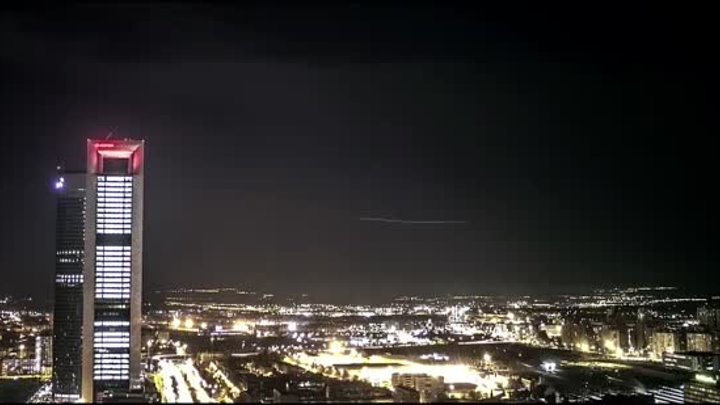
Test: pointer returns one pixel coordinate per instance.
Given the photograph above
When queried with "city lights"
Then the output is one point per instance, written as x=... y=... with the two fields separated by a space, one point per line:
x=361 y=350
x=549 y=366
x=704 y=378
x=335 y=347
x=241 y=326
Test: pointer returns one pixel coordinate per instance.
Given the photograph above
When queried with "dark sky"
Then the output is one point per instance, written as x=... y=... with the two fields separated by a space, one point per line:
x=573 y=144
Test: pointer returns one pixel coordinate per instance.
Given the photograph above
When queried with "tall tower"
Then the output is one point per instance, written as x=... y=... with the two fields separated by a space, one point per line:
x=68 y=300
x=113 y=267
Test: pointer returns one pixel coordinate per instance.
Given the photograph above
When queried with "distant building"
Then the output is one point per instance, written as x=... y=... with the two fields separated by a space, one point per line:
x=577 y=335
x=704 y=390
x=43 y=353
x=692 y=361
x=664 y=342
x=406 y=395
x=669 y=395
x=615 y=340
x=427 y=386
x=699 y=342
x=457 y=315
x=709 y=316
x=463 y=391
x=553 y=330
x=15 y=366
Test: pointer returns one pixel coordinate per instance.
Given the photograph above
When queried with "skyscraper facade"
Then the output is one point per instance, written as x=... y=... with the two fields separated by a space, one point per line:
x=113 y=267
x=68 y=299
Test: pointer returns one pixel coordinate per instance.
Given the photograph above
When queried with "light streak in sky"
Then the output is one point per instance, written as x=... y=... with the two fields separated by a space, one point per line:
x=405 y=221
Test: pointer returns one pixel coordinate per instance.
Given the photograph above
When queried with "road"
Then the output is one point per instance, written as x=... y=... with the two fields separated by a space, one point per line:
x=174 y=387
x=196 y=382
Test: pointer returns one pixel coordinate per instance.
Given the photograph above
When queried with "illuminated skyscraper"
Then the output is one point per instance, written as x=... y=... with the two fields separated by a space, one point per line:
x=113 y=267
x=68 y=300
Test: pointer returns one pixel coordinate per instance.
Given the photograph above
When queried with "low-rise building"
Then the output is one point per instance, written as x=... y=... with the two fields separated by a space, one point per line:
x=699 y=342
x=428 y=387
x=704 y=390
x=664 y=342
x=692 y=361
x=406 y=395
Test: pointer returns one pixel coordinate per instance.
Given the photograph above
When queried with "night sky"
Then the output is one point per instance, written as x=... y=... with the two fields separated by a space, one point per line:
x=534 y=148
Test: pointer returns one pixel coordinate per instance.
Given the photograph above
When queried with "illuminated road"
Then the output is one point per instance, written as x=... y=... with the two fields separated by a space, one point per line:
x=174 y=386
x=196 y=382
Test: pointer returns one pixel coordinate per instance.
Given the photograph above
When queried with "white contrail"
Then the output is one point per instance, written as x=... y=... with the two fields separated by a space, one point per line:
x=405 y=221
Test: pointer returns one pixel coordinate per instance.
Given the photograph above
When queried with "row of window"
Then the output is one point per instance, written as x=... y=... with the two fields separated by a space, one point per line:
x=124 y=341
x=113 y=261
x=115 y=178
x=114 y=219
x=112 y=339
x=115 y=208
x=118 y=270
x=112 y=277
x=114 y=198
x=125 y=293
x=64 y=260
x=114 y=184
x=101 y=225
x=69 y=278
x=105 y=356
x=112 y=323
x=115 y=231
x=114 y=205
x=112 y=296
x=111 y=345
x=115 y=212
x=104 y=368
x=114 y=283
x=113 y=268
x=111 y=333
x=69 y=252
x=107 y=287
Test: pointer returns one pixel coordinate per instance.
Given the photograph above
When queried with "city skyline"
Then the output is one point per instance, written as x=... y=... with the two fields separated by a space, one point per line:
x=571 y=161
x=396 y=202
